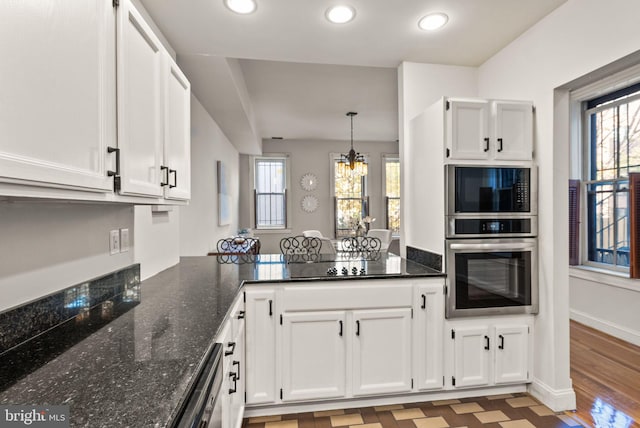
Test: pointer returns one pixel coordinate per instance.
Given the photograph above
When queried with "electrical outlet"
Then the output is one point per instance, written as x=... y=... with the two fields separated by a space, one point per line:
x=114 y=241
x=124 y=240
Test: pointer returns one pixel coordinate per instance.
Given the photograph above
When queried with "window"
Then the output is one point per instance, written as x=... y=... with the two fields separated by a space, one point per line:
x=270 y=190
x=392 y=193
x=351 y=203
x=612 y=131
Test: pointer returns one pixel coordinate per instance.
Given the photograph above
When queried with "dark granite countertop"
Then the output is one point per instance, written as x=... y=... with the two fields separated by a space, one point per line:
x=134 y=371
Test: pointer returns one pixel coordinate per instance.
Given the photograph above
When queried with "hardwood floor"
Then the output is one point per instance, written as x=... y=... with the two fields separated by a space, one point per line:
x=606 y=378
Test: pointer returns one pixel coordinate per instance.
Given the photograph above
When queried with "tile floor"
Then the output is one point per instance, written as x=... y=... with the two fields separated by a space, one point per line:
x=498 y=411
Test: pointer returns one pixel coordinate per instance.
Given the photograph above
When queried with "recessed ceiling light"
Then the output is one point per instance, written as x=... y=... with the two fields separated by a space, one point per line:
x=241 y=6
x=340 y=14
x=433 y=21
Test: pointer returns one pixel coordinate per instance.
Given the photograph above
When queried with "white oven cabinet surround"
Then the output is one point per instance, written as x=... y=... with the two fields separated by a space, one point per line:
x=116 y=96
x=484 y=352
x=488 y=130
x=324 y=344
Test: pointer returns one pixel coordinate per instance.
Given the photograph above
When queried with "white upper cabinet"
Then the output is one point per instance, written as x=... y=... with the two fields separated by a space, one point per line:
x=57 y=93
x=481 y=130
x=177 y=132
x=140 y=104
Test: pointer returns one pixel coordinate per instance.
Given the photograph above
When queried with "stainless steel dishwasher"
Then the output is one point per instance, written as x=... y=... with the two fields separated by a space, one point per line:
x=203 y=406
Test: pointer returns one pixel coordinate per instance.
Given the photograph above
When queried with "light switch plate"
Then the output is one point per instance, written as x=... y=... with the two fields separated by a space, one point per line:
x=114 y=241
x=124 y=240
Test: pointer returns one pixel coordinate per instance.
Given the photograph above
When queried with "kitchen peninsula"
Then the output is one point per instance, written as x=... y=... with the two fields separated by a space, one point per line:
x=137 y=369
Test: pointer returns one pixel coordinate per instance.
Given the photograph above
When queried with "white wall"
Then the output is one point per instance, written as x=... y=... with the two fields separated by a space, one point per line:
x=314 y=157
x=199 y=230
x=157 y=239
x=48 y=246
x=576 y=39
x=420 y=86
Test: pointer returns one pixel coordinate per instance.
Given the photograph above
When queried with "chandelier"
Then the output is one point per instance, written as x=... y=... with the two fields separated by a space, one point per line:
x=352 y=162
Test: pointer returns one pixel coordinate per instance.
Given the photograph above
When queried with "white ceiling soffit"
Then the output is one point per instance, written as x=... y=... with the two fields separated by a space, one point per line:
x=383 y=34
x=219 y=85
x=310 y=101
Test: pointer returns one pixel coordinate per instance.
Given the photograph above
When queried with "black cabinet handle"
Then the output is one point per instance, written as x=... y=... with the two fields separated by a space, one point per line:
x=357 y=328
x=501 y=346
x=117 y=152
x=237 y=363
x=270 y=308
x=235 y=383
x=486 y=144
x=487 y=345
x=499 y=144
x=340 y=333
x=232 y=345
x=164 y=171
x=241 y=315
x=175 y=178
x=424 y=302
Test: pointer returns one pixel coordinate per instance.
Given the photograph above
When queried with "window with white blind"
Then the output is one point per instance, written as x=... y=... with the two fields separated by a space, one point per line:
x=270 y=192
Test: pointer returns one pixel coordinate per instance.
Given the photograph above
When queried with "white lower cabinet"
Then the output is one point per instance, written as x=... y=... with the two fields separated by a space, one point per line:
x=314 y=355
x=428 y=326
x=382 y=351
x=260 y=346
x=233 y=368
x=491 y=354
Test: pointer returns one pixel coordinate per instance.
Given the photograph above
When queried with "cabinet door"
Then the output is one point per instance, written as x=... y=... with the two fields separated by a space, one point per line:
x=237 y=379
x=428 y=336
x=57 y=92
x=381 y=351
x=177 y=132
x=468 y=129
x=513 y=130
x=472 y=356
x=140 y=133
x=260 y=346
x=313 y=355
x=512 y=353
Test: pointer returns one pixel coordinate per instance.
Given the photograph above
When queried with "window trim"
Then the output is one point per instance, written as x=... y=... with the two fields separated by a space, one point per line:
x=385 y=158
x=287 y=174
x=581 y=148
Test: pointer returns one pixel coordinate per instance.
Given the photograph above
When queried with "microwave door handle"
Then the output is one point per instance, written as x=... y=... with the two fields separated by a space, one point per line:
x=514 y=246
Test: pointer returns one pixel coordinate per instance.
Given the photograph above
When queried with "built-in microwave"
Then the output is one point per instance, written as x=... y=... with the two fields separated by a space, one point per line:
x=491 y=201
x=491 y=277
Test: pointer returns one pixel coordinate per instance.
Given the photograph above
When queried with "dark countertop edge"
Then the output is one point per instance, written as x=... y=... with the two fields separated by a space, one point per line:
x=343 y=277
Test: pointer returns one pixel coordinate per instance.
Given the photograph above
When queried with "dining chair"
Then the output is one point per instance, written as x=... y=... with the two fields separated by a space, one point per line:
x=384 y=235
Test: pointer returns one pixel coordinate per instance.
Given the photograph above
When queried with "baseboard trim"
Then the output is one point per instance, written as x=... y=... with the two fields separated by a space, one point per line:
x=615 y=330
x=320 y=405
x=558 y=400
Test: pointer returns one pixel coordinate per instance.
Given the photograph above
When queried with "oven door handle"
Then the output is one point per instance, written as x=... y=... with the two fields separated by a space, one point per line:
x=490 y=246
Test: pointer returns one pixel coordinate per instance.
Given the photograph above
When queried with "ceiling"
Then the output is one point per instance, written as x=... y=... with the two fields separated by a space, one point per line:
x=299 y=74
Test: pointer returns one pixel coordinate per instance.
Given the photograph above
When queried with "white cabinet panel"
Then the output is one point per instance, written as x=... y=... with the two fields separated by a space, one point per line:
x=177 y=132
x=57 y=92
x=472 y=355
x=260 y=346
x=382 y=351
x=313 y=355
x=512 y=353
x=140 y=124
x=513 y=131
x=468 y=129
x=428 y=350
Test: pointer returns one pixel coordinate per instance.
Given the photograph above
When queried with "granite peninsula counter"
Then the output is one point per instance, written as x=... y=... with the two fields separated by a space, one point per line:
x=135 y=370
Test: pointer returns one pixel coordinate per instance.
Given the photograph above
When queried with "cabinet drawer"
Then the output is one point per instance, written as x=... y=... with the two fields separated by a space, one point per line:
x=346 y=295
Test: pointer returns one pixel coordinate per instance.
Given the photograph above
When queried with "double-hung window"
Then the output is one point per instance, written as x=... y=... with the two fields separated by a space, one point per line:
x=612 y=138
x=270 y=192
x=392 y=193
x=351 y=203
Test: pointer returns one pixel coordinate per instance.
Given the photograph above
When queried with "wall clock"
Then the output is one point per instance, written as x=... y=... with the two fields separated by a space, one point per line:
x=309 y=203
x=309 y=182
